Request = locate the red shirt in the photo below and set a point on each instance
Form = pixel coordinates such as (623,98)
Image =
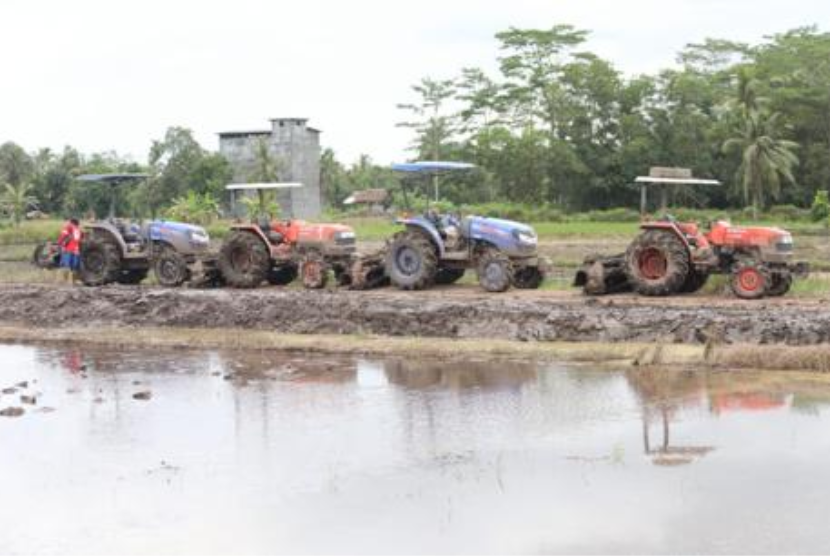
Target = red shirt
(70,238)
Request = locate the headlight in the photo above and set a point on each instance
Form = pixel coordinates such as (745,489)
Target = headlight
(344,235)
(199,236)
(528,238)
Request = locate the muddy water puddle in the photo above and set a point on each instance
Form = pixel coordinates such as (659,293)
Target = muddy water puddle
(137,452)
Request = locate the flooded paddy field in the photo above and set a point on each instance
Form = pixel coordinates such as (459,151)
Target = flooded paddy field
(155,451)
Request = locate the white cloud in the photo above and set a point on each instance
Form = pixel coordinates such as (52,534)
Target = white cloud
(100,74)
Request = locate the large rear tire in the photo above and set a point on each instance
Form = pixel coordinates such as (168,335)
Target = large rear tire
(100,261)
(170,268)
(412,261)
(657,263)
(244,260)
(495,271)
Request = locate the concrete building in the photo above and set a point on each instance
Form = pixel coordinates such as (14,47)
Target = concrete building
(296,147)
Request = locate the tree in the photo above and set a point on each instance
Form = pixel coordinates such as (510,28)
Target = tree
(17,200)
(16,166)
(766,160)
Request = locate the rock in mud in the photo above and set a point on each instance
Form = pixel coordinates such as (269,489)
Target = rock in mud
(23,384)
(144,395)
(8,391)
(12,412)
(29,400)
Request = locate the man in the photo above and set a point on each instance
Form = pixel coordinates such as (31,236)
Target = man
(70,244)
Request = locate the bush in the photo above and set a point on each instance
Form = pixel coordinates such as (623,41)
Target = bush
(789,213)
(820,210)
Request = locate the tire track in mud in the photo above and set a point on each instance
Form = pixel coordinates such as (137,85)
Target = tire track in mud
(526,317)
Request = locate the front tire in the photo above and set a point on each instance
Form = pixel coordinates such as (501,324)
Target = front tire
(314,272)
(495,271)
(749,280)
(170,268)
(657,263)
(411,262)
(244,260)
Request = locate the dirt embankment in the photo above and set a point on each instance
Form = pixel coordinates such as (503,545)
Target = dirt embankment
(449,313)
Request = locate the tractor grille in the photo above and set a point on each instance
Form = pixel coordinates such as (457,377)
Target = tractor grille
(344,241)
(784,247)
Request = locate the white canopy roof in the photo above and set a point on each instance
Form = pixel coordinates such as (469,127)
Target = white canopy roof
(286,185)
(679,181)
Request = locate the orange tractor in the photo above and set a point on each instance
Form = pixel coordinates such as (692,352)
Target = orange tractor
(670,258)
(279,251)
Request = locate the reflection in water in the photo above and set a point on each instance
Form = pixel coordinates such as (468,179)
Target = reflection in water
(264,452)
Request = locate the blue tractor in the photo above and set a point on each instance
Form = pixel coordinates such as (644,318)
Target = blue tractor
(439,249)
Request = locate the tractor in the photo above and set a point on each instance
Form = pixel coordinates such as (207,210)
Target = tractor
(439,249)
(435,249)
(278,251)
(670,257)
(117,251)
(124,252)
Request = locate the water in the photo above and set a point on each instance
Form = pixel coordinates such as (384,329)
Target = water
(265,453)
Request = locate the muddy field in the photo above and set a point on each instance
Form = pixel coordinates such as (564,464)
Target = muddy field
(457,312)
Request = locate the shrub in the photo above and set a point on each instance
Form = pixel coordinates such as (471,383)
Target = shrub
(820,210)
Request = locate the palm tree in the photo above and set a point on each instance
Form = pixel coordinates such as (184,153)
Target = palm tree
(16,200)
(766,159)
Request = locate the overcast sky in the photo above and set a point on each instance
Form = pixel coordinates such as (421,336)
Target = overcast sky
(114,74)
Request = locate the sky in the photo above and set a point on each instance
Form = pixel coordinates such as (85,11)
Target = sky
(115,74)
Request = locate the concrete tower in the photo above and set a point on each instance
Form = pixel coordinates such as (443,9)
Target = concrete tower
(296,147)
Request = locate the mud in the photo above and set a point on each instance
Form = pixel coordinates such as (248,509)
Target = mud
(456,312)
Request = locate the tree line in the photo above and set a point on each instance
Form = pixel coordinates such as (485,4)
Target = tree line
(559,124)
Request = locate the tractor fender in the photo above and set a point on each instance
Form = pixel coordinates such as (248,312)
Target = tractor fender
(104,228)
(425,226)
(670,227)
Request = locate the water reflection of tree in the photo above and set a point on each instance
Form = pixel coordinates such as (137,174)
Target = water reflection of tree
(459,375)
(662,393)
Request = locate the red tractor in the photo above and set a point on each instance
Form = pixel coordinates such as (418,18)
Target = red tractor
(279,251)
(670,257)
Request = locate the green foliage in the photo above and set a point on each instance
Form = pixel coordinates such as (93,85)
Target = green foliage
(17,200)
(820,209)
(195,208)
(263,205)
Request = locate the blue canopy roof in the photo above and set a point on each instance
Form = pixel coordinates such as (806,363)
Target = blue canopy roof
(431,167)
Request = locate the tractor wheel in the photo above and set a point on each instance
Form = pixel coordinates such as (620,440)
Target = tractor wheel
(411,262)
(45,257)
(528,278)
(657,263)
(314,271)
(495,271)
(170,268)
(244,260)
(282,275)
(100,262)
(448,275)
(780,284)
(749,280)
(694,281)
